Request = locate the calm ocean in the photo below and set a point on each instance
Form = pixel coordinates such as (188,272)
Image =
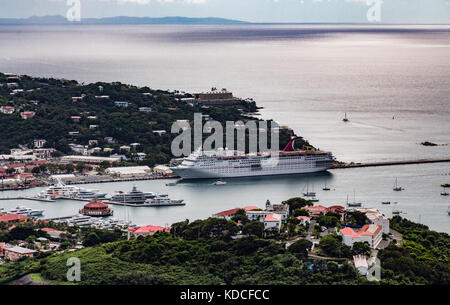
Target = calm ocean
(393,82)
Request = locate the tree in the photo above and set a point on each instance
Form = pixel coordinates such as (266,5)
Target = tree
(254,228)
(301,212)
(241,217)
(297,203)
(80,167)
(301,247)
(91,239)
(361,248)
(10,171)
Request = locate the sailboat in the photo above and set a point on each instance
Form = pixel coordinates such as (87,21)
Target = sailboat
(354,204)
(345,119)
(396,187)
(444,193)
(326,188)
(308,193)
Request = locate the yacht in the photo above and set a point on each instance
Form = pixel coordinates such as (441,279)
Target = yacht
(21,210)
(134,196)
(82,193)
(444,192)
(163,200)
(61,190)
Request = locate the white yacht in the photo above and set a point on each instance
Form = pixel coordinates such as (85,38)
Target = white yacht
(134,196)
(61,190)
(21,210)
(163,200)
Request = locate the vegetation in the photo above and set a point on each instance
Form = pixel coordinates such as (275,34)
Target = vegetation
(100,118)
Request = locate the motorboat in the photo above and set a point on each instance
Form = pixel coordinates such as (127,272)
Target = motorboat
(163,200)
(219,182)
(134,196)
(21,210)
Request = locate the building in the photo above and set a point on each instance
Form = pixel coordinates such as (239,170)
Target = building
(145,109)
(39,143)
(129,172)
(318,210)
(89,159)
(43,153)
(361,264)
(372,234)
(54,234)
(375,217)
(96,209)
(273,221)
(121,104)
(76,119)
(27,115)
(149,230)
(228,214)
(215,97)
(14,253)
(160,132)
(162,170)
(13,218)
(7,109)
(304,220)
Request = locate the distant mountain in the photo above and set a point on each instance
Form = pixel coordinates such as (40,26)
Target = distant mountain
(120,20)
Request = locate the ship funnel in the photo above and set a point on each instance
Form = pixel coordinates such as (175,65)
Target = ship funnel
(291,145)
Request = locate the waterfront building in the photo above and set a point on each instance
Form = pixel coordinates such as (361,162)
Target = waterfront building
(372,234)
(96,209)
(215,97)
(89,159)
(129,172)
(162,170)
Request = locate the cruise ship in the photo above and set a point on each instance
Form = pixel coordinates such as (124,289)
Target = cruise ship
(231,164)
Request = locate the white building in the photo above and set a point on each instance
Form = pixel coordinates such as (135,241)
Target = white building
(89,159)
(128,172)
(39,143)
(273,221)
(372,234)
(162,169)
(377,218)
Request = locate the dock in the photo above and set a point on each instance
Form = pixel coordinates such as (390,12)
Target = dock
(389,163)
(27,198)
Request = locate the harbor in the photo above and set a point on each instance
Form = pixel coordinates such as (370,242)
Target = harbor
(421,201)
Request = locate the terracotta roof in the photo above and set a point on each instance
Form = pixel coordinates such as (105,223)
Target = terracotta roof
(228,212)
(273,217)
(367,230)
(95,205)
(13,217)
(150,229)
(251,208)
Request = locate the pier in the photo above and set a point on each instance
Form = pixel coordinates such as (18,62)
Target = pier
(27,198)
(390,163)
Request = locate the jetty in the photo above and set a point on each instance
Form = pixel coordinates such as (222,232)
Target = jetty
(389,163)
(27,198)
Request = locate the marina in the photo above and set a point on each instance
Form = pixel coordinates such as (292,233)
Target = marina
(373,185)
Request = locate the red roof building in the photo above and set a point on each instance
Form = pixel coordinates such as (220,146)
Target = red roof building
(150,230)
(96,209)
(13,218)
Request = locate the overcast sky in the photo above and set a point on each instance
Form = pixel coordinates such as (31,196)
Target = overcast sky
(392,11)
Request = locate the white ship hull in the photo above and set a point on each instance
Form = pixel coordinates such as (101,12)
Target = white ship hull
(198,173)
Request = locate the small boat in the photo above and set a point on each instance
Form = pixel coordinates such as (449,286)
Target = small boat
(396,212)
(163,201)
(326,188)
(219,182)
(396,187)
(354,204)
(444,193)
(308,193)
(386,202)
(171,184)
(345,119)
(313,199)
